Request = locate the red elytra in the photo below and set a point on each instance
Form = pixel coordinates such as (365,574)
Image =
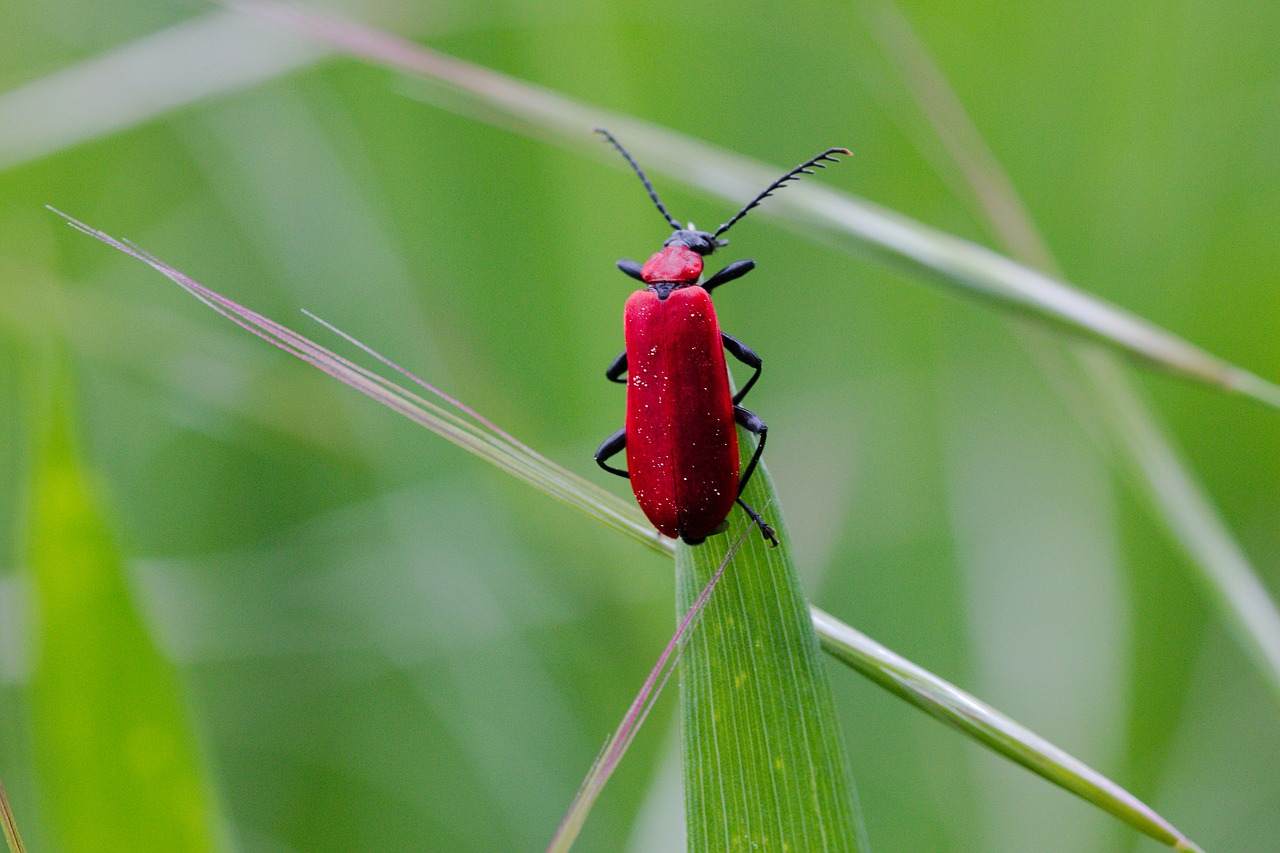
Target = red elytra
(682,448)
(680,436)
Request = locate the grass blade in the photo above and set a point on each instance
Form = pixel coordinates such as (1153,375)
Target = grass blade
(616,746)
(11,837)
(118,762)
(764,762)
(976,270)
(453,421)
(121,89)
(1149,455)
(951,705)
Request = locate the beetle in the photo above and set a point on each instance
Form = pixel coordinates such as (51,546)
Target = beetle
(680,436)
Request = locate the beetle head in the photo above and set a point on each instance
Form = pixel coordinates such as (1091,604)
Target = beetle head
(702,242)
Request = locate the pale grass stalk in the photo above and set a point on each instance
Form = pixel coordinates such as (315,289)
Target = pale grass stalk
(10,824)
(1150,455)
(616,746)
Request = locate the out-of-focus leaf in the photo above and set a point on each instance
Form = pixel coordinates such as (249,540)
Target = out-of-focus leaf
(117,759)
(1148,453)
(976,270)
(201,58)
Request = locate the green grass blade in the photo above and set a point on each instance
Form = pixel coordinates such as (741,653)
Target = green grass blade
(118,763)
(617,744)
(1148,454)
(1174,495)
(123,88)
(447,418)
(951,705)
(975,270)
(11,837)
(764,764)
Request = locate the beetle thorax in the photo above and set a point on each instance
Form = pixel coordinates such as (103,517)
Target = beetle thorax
(675,266)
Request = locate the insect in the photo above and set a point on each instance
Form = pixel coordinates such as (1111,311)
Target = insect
(680,438)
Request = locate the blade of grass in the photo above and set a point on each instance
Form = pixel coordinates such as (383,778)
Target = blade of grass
(951,705)
(490,96)
(10,823)
(119,765)
(978,271)
(764,761)
(123,88)
(131,85)
(883,665)
(1149,454)
(458,425)
(616,746)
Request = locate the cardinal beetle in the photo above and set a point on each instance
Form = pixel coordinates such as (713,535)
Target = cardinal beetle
(682,448)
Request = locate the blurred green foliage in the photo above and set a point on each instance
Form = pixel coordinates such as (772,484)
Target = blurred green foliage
(383,644)
(108,720)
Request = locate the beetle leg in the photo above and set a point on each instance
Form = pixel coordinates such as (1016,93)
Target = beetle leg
(765,530)
(612,446)
(751,422)
(619,366)
(631,268)
(737,269)
(747,356)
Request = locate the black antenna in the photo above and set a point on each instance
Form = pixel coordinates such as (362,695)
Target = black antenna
(803,169)
(653,194)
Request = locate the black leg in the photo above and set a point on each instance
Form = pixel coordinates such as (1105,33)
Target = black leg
(737,269)
(631,268)
(613,445)
(765,530)
(747,356)
(619,366)
(752,424)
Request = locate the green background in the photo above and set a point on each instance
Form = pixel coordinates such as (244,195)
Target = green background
(365,639)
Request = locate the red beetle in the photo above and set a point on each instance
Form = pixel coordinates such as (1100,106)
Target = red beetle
(682,448)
